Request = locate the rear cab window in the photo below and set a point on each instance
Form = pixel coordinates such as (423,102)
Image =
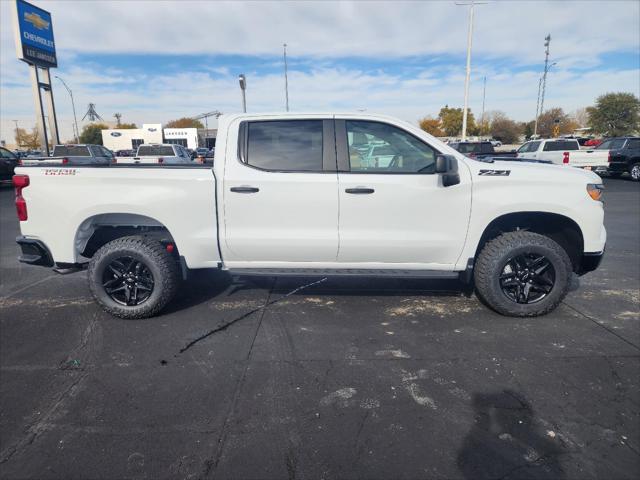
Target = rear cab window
(561,145)
(71,151)
(155,151)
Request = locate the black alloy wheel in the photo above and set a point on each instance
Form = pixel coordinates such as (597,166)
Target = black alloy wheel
(527,278)
(128,281)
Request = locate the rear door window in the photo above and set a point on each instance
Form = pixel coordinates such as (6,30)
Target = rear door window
(285,145)
(633,144)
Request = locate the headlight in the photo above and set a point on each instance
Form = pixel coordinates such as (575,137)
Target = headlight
(595,190)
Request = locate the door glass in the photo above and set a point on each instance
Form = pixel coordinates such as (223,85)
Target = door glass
(290,145)
(380,148)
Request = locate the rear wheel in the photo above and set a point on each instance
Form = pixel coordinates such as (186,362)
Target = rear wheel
(522,274)
(634,171)
(133,277)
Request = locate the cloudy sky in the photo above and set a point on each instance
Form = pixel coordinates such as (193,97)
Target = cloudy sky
(154,61)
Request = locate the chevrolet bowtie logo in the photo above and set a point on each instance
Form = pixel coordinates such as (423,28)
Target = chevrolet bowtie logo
(37,21)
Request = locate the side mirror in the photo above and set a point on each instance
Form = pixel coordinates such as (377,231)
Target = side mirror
(447,165)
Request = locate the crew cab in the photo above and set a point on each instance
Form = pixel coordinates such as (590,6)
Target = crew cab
(564,152)
(624,156)
(166,153)
(290,194)
(77,154)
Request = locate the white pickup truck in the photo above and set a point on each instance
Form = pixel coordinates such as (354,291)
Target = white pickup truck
(289,194)
(166,154)
(565,151)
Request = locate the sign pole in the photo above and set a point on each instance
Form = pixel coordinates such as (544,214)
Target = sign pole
(51,107)
(37,98)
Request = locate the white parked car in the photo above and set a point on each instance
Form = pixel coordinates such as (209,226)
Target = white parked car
(165,154)
(285,196)
(564,151)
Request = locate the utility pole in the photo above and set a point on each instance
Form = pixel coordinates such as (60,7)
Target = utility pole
(73,105)
(468,73)
(243,87)
(286,79)
(547,41)
(484,94)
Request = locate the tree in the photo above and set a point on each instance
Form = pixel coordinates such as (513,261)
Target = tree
(92,133)
(451,120)
(527,128)
(184,122)
(547,121)
(615,114)
(432,126)
(26,139)
(503,128)
(127,126)
(581,117)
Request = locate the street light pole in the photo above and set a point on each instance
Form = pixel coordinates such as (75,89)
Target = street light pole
(17,144)
(468,72)
(286,79)
(243,86)
(73,105)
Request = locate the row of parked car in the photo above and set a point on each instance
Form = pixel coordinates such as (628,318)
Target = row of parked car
(614,155)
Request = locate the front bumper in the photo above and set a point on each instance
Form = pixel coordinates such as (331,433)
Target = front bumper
(590,261)
(34,252)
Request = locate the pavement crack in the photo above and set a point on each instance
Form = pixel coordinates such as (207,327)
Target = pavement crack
(248,314)
(601,325)
(39,427)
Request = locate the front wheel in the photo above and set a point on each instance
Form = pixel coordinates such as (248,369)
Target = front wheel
(133,277)
(634,171)
(522,274)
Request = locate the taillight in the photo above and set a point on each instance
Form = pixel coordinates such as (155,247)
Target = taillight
(565,157)
(609,157)
(65,161)
(160,160)
(20,182)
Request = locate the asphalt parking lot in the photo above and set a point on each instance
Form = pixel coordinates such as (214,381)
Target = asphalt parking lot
(345,378)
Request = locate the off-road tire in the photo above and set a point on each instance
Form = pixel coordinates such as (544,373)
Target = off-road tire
(499,251)
(155,257)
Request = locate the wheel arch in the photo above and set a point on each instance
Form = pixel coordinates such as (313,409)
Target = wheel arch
(97,230)
(560,228)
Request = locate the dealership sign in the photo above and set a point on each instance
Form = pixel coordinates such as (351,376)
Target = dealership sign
(34,35)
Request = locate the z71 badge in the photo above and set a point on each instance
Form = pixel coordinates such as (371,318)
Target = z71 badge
(495,173)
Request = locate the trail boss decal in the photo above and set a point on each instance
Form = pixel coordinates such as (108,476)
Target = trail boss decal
(59,171)
(495,173)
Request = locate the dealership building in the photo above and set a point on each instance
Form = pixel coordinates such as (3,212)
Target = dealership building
(129,138)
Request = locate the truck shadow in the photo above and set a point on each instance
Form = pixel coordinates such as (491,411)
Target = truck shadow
(504,441)
(205,285)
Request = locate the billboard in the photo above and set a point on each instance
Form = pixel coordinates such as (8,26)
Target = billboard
(34,35)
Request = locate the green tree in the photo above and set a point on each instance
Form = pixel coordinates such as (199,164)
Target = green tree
(184,122)
(615,114)
(92,133)
(451,120)
(432,126)
(527,128)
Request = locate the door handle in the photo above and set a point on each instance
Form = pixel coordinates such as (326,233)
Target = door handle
(360,190)
(245,189)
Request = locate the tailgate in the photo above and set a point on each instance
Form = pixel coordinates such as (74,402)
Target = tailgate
(589,158)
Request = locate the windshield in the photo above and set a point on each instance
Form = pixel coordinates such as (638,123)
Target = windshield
(469,147)
(71,151)
(155,150)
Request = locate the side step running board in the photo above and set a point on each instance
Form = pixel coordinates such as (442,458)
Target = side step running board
(350,272)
